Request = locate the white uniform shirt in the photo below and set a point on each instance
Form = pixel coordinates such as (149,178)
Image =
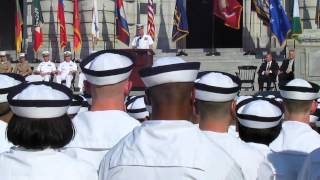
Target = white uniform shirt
(296,136)
(311,167)
(170,150)
(290,148)
(143,42)
(66,67)
(4,144)
(20,164)
(240,152)
(46,67)
(262,148)
(97,132)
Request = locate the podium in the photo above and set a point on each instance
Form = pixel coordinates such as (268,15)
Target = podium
(141,58)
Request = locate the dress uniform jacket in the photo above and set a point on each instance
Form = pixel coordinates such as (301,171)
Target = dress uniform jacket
(4,144)
(240,152)
(48,164)
(23,69)
(46,67)
(66,67)
(262,148)
(168,150)
(5,67)
(97,132)
(143,42)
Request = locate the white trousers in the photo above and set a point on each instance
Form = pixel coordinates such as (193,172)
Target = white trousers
(80,81)
(46,78)
(67,78)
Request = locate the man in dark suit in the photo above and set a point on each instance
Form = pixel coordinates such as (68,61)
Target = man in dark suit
(268,72)
(286,71)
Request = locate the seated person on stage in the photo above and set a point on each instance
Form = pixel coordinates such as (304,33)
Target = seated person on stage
(141,41)
(5,65)
(267,72)
(23,68)
(46,68)
(286,71)
(66,69)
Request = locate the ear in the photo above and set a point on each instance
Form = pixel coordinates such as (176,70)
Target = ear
(233,109)
(127,88)
(314,107)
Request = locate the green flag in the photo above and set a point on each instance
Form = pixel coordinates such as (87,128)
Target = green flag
(296,22)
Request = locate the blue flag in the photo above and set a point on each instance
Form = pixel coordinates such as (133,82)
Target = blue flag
(180,22)
(279,22)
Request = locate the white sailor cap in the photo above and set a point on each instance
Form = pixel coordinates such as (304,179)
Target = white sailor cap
(34,78)
(75,105)
(40,100)
(259,113)
(67,53)
(136,107)
(140,26)
(3,53)
(271,96)
(88,98)
(169,70)
(8,81)
(299,89)
(84,105)
(107,67)
(22,55)
(217,87)
(242,98)
(45,53)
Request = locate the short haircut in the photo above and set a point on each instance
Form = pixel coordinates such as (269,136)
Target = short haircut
(217,109)
(296,106)
(170,93)
(261,136)
(40,134)
(4,108)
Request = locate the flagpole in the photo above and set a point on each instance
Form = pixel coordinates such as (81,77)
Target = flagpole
(212,51)
(115,28)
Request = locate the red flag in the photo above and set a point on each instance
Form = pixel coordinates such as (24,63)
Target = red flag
(229,11)
(76,27)
(37,22)
(62,24)
(151,28)
(18,28)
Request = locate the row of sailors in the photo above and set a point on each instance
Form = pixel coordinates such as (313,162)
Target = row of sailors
(45,71)
(106,143)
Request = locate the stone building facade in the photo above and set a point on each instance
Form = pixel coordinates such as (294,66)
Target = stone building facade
(254,33)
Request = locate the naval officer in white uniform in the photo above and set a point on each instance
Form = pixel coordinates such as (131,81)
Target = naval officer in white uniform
(296,139)
(215,102)
(142,40)
(46,68)
(38,128)
(66,69)
(169,146)
(7,82)
(99,129)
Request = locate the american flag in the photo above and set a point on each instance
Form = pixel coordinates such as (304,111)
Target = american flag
(151,28)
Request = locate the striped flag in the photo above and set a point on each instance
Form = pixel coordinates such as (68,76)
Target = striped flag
(95,22)
(151,28)
(18,28)
(62,24)
(262,9)
(296,22)
(76,27)
(180,22)
(318,14)
(122,30)
(38,21)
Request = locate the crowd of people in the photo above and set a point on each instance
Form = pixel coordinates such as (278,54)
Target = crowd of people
(188,125)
